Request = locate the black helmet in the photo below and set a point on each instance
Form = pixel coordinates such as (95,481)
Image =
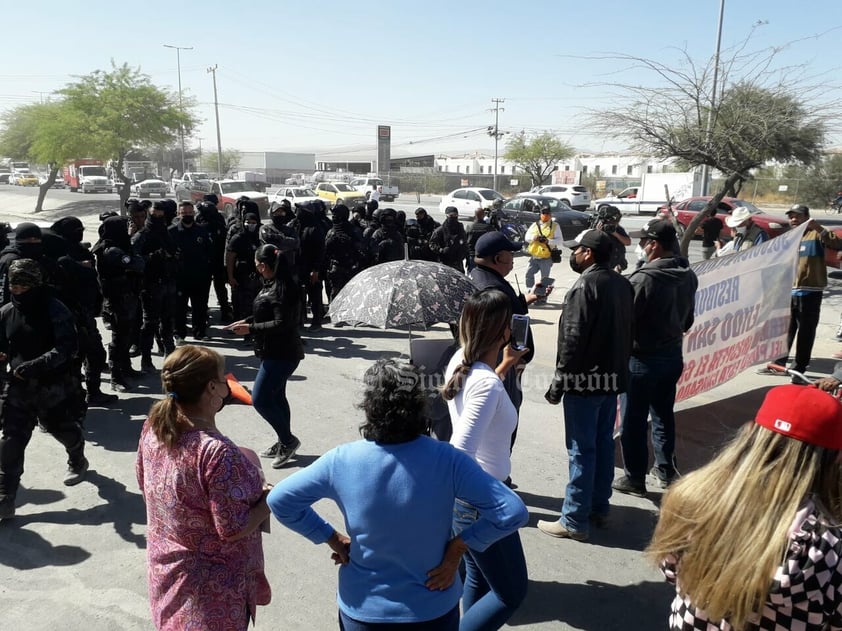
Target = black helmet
(132,201)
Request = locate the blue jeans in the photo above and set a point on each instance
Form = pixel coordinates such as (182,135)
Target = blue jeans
(270,395)
(652,385)
(588,430)
(495,579)
(537,265)
(447,622)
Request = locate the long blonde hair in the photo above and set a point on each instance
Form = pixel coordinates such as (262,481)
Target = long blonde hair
(484,319)
(727,524)
(186,373)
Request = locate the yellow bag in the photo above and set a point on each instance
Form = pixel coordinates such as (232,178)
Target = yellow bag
(536,248)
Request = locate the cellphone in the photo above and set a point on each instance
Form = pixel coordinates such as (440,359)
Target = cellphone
(520,331)
(541,288)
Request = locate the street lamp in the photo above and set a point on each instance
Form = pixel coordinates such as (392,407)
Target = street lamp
(178,50)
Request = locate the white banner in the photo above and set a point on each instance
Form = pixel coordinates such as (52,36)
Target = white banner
(742,313)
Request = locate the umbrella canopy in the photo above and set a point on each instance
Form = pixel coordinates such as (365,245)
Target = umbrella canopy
(402,294)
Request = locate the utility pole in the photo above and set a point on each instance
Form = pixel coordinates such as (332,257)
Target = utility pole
(495,131)
(178,50)
(709,126)
(199,167)
(212,70)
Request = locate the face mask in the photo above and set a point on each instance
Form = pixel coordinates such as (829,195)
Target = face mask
(76,236)
(31,250)
(452,221)
(575,265)
(742,229)
(251,227)
(278,221)
(27,301)
(188,220)
(228,398)
(641,253)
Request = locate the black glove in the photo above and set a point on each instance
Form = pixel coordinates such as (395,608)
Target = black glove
(551,397)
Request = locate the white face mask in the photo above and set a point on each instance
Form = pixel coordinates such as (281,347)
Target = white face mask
(641,253)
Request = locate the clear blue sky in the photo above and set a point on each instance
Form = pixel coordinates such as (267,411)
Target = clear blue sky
(319,76)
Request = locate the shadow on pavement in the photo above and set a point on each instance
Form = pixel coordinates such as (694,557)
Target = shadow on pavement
(89,206)
(118,428)
(23,549)
(345,348)
(596,606)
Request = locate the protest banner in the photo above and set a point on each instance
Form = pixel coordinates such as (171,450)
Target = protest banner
(742,313)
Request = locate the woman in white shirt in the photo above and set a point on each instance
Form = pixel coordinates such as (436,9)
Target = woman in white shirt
(483,419)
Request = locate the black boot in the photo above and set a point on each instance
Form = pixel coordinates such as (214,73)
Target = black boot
(7,507)
(146,366)
(128,371)
(98,398)
(77,465)
(119,381)
(226,315)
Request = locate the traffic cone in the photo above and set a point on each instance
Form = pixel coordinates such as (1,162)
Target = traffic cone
(238,392)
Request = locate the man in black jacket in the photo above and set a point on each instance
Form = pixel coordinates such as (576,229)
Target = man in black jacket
(37,343)
(208,215)
(449,241)
(195,267)
(312,238)
(592,368)
(664,304)
(343,250)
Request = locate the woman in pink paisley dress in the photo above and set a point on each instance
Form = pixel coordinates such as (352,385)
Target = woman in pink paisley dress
(205,502)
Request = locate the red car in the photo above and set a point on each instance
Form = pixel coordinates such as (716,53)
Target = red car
(774,225)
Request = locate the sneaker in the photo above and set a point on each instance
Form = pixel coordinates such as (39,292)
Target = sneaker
(76,473)
(271,451)
(556,529)
(772,369)
(629,486)
(285,453)
(101,399)
(7,507)
(134,351)
(663,481)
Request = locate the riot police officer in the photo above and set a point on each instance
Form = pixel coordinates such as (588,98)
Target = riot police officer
(121,275)
(343,253)
(387,242)
(195,266)
(208,215)
(239,262)
(449,242)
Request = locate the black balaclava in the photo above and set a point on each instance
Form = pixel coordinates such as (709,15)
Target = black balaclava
(28,230)
(114,232)
(70,228)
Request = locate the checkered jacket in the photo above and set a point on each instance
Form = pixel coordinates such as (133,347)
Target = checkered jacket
(806,594)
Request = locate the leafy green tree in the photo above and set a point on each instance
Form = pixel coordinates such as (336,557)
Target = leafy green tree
(44,134)
(538,156)
(230,161)
(121,110)
(761,113)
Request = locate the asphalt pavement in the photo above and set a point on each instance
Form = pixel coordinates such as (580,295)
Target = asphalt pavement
(74,558)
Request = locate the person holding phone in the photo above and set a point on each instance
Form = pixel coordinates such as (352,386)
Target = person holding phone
(483,419)
(592,368)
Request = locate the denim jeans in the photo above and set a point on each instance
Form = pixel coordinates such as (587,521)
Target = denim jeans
(270,395)
(652,385)
(537,265)
(447,622)
(495,579)
(588,434)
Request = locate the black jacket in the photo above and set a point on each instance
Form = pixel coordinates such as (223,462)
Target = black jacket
(450,243)
(343,249)
(195,252)
(274,321)
(594,336)
(484,277)
(664,303)
(155,244)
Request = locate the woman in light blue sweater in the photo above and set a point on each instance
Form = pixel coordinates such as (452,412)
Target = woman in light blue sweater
(396,490)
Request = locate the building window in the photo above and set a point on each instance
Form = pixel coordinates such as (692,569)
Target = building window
(482,169)
(441,168)
(566,167)
(584,168)
(596,170)
(613,169)
(649,168)
(502,168)
(514,169)
(467,169)
(457,168)
(629,170)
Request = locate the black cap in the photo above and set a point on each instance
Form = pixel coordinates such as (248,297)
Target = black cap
(491,243)
(27,230)
(451,210)
(592,239)
(660,230)
(800,209)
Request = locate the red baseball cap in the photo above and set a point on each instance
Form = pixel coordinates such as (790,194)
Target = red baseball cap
(804,413)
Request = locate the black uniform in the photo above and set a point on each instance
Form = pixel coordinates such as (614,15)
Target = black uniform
(311,261)
(474,232)
(418,244)
(284,237)
(121,274)
(195,266)
(343,254)
(158,295)
(243,246)
(208,215)
(387,243)
(450,243)
(38,336)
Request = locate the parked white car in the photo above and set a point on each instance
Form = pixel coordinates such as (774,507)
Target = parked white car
(467,200)
(576,196)
(148,188)
(295,195)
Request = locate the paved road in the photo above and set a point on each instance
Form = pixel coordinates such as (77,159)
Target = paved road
(74,558)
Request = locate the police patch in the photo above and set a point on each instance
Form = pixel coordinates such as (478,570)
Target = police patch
(126,259)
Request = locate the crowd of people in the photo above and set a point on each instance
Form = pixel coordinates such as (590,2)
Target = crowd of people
(424,514)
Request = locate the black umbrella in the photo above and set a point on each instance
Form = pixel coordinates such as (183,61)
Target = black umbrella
(402,294)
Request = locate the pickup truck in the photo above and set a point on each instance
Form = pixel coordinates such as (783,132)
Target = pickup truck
(182,185)
(228,191)
(366,185)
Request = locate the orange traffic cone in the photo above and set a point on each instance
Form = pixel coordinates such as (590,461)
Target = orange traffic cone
(238,392)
